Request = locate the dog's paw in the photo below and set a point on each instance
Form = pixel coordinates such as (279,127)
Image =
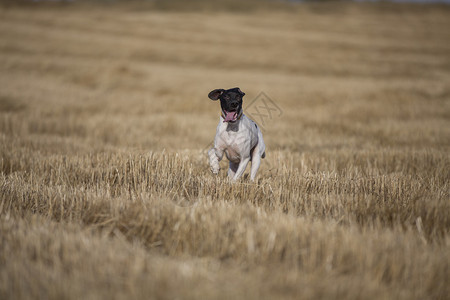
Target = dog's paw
(215,170)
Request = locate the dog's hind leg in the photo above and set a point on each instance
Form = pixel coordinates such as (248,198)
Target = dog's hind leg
(256,161)
(242,165)
(232,169)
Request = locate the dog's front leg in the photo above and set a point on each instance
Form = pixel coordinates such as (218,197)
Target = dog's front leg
(215,155)
(242,165)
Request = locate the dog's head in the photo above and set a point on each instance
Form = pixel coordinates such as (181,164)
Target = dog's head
(230,101)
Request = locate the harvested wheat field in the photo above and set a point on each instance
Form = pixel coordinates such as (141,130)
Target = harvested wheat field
(105,188)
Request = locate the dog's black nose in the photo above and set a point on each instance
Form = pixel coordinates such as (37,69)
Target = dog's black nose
(234,104)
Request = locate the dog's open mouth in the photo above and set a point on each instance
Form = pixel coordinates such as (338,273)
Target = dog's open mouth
(230,116)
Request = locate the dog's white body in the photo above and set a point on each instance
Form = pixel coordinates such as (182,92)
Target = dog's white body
(241,141)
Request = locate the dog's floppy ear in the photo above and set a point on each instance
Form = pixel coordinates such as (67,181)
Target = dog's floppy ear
(215,94)
(241,92)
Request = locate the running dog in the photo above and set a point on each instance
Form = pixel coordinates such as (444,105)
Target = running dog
(237,136)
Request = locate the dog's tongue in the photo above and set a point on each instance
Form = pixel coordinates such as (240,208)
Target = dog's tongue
(229,116)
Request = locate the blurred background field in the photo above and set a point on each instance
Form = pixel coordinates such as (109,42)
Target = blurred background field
(105,190)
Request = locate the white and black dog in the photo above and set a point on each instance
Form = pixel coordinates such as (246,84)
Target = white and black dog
(237,136)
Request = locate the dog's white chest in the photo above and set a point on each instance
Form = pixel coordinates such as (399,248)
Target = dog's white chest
(232,144)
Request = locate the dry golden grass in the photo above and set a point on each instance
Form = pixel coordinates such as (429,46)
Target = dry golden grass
(105,190)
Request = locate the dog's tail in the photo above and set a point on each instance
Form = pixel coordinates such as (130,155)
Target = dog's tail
(263,155)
